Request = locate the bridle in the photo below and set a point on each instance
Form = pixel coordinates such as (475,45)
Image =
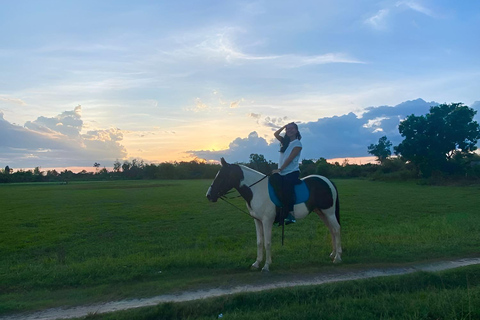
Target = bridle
(230,191)
(263,178)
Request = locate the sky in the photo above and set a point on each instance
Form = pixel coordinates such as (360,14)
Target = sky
(160,81)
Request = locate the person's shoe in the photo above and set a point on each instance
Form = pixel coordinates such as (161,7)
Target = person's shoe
(290,218)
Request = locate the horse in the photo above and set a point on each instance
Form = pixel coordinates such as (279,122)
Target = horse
(253,187)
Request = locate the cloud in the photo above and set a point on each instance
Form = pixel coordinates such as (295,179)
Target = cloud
(292,60)
(235,104)
(104,143)
(58,141)
(476,107)
(378,20)
(275,122)
(255,115)
(219,45)
(375,124)
(238,150)
(199,106)
(297,61)
(330,137)
(416,6)
(69,123)
(15,101)
(272,122)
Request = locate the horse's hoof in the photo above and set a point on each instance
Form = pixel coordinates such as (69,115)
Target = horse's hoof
(265,269)
(255,266)
(337,260)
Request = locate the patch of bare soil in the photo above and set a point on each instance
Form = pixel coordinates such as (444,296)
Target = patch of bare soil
(269,283)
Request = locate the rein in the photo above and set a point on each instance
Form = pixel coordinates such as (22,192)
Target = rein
(241,210)
(266,176)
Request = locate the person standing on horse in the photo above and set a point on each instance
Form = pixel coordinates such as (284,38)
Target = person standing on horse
(288,166)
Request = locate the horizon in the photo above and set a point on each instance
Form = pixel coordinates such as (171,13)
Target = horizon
(358,161)
(86,82)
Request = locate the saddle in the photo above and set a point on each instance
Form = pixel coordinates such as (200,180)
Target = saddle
(274,190)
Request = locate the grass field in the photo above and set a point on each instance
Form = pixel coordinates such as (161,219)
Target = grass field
(98,241)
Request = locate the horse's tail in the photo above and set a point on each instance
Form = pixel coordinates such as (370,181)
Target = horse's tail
(337,206)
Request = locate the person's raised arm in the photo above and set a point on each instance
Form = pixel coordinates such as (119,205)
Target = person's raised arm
(277,133)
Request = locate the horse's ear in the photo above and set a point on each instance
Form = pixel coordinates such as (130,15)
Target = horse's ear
(223,162)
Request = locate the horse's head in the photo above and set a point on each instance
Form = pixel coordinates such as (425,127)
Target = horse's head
(227,178)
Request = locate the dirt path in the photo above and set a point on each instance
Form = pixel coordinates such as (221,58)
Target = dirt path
(270,283)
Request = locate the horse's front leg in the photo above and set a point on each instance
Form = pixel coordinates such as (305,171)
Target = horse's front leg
(259,229)
(267,234)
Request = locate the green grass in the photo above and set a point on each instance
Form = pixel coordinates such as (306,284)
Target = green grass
(98,241)
(453,294)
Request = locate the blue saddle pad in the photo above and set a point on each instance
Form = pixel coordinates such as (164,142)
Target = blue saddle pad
(301,193)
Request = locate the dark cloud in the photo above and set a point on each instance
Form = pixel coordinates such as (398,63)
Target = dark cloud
(239,149)
(403,109)
(57,142)
(335,137)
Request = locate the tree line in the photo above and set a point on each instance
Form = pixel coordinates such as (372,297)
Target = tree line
(438,144)
(127,170)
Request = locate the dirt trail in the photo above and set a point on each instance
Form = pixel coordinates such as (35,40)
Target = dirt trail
(314,279)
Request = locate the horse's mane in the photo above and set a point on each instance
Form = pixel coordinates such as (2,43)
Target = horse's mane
(251,170)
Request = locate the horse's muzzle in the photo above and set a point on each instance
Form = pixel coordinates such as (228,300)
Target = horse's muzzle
(210,197)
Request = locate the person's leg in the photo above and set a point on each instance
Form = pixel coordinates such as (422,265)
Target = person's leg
(289,194)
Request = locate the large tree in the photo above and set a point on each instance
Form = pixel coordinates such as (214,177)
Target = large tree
(431,140)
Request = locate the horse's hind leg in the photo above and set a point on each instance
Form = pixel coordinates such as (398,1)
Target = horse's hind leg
(332,235)
(328,217)
(260,239)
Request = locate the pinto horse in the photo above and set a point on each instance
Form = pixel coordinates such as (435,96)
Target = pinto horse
(253,187)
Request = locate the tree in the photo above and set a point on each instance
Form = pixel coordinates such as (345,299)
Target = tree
(382,150)
(258,162)
(52,173)
(432,140)
(7,170)
(103,173)
(307,167)
(126,166)
(96,165)
(324,168)
(117,166)
(38,174)
(136,169)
